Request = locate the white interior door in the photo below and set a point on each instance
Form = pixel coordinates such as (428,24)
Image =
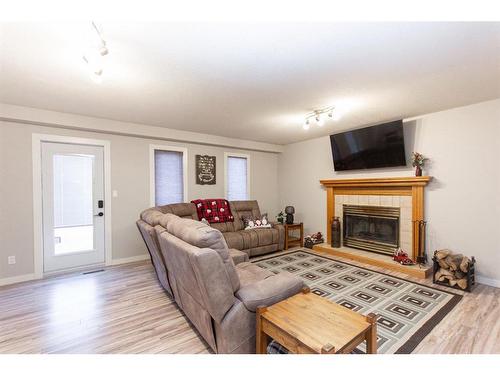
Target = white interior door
(73,205)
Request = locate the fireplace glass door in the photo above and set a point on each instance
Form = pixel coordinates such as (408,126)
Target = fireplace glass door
(371,228)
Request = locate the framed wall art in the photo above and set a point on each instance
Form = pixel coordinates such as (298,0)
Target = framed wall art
(205,170)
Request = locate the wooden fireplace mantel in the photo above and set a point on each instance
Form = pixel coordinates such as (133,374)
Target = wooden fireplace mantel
(402,186)
(377,182)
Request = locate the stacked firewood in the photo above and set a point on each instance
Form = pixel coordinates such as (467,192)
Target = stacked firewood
(452,268)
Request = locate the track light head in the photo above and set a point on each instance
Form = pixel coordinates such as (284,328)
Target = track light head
(320,116)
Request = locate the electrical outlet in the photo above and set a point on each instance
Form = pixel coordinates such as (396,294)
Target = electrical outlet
(11,259)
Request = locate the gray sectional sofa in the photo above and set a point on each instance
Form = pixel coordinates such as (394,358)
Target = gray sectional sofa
(215,286)
(253,241)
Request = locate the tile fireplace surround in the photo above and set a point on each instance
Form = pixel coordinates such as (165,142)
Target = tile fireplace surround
(407,193)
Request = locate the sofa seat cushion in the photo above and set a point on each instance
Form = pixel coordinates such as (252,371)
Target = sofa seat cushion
(249,273)
(234,240)
(238,256)
(250,238)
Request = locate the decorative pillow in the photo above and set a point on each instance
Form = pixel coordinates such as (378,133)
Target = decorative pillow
(256,223)
(213,210)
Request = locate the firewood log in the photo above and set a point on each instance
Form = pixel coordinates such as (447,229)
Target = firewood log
(441,278)
(459,274)
(452,282)
(454,261)
(462,283)
(440,254)
(443,264)
(446,272)
(464,265)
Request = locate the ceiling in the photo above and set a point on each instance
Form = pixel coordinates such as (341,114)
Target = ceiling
(252,81)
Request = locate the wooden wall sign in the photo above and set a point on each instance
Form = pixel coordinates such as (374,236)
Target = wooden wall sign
(205,170)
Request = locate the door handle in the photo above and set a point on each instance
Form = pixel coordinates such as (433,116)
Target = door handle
(100,214)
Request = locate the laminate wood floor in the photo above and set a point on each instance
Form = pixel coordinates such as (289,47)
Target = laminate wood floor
(124,310)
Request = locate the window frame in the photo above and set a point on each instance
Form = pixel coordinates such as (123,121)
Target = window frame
(237,155)
(152,180)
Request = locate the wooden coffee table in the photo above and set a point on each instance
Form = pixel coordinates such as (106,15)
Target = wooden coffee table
(307,323)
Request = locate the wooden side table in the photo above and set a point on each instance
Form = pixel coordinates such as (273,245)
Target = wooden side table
(291,235)
(310,324)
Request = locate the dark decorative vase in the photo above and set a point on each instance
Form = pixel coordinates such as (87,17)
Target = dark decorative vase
(418,171)
(335,232)
(289,210)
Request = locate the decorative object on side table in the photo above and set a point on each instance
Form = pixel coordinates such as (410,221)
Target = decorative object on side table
(291,237)
(280,217)
(453,270)
(418,161)
(205,170)
(313,239)
(336,229)
(289,210)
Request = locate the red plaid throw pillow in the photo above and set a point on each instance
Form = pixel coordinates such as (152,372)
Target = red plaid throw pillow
(213,210)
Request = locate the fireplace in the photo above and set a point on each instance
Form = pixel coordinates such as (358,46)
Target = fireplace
(372,228)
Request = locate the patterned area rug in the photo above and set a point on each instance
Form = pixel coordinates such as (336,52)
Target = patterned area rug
(406,311)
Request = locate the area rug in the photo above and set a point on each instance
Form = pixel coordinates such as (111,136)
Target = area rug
(406,311)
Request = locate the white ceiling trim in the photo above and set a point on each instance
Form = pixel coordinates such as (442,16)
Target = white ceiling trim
(35,116)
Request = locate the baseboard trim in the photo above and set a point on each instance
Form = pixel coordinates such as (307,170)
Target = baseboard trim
(32,276)
(17,279)
(488,281)
(137,258)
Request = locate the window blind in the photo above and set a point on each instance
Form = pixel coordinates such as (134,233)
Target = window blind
(237,178)
(169,177)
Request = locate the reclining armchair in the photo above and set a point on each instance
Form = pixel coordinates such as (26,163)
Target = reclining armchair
(219,297)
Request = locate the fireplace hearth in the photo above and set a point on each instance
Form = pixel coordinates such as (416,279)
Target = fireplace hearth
(372,228)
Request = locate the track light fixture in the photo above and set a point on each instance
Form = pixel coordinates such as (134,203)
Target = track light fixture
(319,116)
(93,57)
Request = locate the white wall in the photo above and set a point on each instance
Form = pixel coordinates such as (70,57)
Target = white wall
(462,203)
(129,176)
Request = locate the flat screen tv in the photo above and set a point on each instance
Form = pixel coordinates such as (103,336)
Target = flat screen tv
(376,146)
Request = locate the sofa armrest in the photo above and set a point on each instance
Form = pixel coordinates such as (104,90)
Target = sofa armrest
(281,234)
(238,256)
(269,291)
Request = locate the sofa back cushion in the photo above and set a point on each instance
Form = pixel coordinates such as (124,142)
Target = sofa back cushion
(199,272)
(151,216)
(184,210)
(242,209)
(201,235)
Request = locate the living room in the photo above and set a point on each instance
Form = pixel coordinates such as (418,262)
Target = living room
(250,187)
